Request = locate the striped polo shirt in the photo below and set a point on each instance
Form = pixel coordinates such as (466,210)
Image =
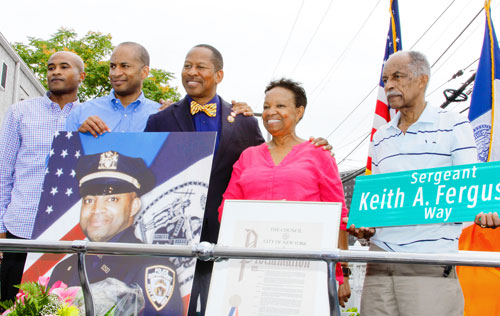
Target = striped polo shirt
(438,139)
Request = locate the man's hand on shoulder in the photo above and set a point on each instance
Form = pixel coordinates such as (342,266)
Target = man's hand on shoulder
(165,104)
(323,143)
(241,108)
(94,125)
(487,220)
(359,232)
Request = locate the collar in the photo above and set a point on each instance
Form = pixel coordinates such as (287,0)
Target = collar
(127,235)
(50,103)
(215,99)
(427,116)
(116,103)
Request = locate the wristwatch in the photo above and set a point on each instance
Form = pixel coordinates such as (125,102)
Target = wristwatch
(346,271)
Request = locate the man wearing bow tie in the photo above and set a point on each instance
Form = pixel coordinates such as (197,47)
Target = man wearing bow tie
(125,109)
(203,110)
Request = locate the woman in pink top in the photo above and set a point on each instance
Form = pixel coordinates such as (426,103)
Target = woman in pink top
(289,167)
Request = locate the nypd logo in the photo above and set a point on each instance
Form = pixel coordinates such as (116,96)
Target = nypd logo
(482,136)
(160,284)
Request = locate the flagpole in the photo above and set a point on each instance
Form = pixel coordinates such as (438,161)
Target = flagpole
(382,109)
(492,56)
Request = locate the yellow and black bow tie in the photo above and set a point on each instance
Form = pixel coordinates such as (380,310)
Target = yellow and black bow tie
(210,109)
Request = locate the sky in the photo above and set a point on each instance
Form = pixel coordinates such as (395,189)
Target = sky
(334,47)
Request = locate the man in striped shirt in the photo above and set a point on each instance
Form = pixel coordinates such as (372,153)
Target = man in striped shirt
(25,141)
(419,136)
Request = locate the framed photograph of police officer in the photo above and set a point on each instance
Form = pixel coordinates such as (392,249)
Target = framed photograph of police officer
(125,187)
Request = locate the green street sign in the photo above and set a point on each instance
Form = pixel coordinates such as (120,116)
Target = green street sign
(426,196)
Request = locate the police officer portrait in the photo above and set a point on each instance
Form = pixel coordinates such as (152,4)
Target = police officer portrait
(111,185)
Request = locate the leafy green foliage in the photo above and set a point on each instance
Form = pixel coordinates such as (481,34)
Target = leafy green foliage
(354,311)
(157,86)
(32,303)
(95,49)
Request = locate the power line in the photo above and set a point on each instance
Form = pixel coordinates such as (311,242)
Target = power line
(467,26)
(349,142)
(289,36)
(359,144)
(464,109)
(465,41)
(329,72)
(368,134)
(352,111)
(460,34)
(467,108)
(456,50)
(446,31)
(361,170)
(432,24)
(472,63)
(352,175)
(359,104)
(312,37)
(456,75)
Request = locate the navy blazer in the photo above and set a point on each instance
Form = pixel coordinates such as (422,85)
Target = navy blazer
(235,137)
(132,270)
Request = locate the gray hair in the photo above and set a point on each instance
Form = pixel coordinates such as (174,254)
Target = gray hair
(419,65)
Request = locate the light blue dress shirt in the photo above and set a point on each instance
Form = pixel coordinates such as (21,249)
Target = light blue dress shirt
(132,118)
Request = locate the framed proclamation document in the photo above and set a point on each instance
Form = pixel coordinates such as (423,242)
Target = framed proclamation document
(265,287)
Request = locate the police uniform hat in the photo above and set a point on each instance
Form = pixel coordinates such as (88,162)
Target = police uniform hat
(113,173)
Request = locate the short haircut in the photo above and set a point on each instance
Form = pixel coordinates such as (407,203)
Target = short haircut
(293,86)
(216,56)
(419,64)
(80,66)
(143,53)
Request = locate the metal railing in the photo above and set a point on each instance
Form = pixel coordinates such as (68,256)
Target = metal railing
(207,251)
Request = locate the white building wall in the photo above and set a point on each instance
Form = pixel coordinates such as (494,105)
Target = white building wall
(21,83)
(27,89)
(6,94)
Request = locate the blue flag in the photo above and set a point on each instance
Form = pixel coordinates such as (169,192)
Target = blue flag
(483,112)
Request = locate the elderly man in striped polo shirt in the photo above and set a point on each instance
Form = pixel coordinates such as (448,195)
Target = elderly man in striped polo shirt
(419,136)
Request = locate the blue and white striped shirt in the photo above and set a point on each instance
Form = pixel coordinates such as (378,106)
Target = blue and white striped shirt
(439,138)
(25,140)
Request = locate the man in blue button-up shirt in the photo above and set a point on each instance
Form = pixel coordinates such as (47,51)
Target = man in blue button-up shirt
(125,109)
(25,141)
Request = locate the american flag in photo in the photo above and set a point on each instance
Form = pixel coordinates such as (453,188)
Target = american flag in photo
(179,160)
(59,208)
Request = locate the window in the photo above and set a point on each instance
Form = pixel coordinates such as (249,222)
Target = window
(3,81)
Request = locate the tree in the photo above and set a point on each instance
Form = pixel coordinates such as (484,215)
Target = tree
(95,49)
